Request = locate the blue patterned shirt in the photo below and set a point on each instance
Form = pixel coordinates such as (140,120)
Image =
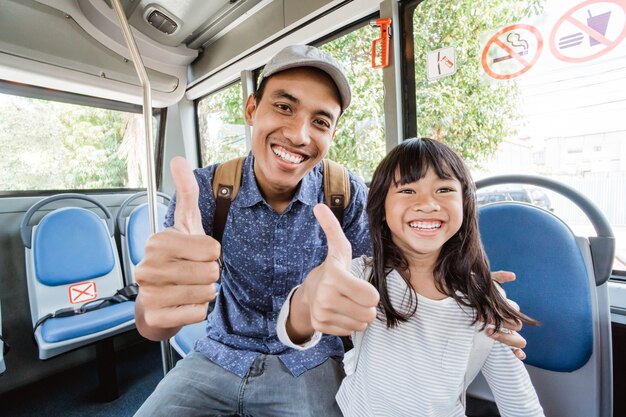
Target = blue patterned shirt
(266,254)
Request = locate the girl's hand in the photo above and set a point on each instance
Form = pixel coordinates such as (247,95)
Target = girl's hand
(510,338)
(508,335)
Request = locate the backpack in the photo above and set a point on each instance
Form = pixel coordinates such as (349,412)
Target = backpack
(227,181)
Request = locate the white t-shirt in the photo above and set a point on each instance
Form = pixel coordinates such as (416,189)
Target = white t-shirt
(418,368)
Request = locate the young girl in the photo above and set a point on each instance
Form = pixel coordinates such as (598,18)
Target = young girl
(436,292)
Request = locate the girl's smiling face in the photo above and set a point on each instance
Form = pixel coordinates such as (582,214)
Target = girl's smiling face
(423,215)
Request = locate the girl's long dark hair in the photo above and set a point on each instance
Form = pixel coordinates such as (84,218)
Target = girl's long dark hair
(462,265)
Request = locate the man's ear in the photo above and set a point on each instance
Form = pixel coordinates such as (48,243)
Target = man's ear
(249,110)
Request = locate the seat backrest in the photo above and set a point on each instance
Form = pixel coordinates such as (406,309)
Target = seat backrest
(135,229)
(72,260)
(569,354)
(70,255)
(184,341)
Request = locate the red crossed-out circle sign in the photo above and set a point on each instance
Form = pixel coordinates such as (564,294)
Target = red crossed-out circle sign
(491,68)
(598,37)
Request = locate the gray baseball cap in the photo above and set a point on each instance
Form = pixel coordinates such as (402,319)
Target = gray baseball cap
(296,56)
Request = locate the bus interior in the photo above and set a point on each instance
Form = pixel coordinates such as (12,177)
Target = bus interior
(97,96)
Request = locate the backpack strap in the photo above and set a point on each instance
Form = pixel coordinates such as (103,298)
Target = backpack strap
(226,183)
(336,188)
(337,197)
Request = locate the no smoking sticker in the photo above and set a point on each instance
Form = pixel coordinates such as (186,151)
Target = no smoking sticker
(512,51)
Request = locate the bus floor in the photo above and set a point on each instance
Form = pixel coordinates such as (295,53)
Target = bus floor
(74,392)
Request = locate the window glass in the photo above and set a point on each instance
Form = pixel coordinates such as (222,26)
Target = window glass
(221,125)
(530,87)
(360,140)
(49,145)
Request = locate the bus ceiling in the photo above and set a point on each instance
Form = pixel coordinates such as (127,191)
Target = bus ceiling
(77,46)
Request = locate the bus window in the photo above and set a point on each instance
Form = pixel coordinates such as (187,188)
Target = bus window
(530,93)
(51,145)
(360,141)
(221,125)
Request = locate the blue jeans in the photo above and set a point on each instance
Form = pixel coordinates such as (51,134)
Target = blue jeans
(198,387)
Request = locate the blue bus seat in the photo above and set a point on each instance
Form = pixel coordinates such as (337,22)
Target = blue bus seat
(569,354)
(134,230)
(184,340)
(71,260)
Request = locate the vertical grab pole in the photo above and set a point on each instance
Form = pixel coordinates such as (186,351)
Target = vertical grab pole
(166,350)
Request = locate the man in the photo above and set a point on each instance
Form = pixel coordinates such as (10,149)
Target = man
(271,242)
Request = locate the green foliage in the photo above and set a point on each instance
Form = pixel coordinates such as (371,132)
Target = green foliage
(360,140)
(90,140)
(464,110)
(28,144)
(55,146)
(50,145)
(221,125)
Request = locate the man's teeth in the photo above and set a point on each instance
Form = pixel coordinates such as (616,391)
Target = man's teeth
(425,225)
(288,157)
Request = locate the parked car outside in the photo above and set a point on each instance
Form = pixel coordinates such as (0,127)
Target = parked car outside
(531,195)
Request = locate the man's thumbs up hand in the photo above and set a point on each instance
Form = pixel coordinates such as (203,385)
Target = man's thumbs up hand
(178,273)
(187,218)
(332,300)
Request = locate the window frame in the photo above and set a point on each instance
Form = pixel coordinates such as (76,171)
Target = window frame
(40,93)
(406,11)
(196,103)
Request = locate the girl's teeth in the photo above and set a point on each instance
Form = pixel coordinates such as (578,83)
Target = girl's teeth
(426,225)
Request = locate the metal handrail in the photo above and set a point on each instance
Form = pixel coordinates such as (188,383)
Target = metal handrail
(166,350)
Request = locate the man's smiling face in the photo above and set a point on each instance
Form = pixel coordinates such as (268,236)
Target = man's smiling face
(293,126)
